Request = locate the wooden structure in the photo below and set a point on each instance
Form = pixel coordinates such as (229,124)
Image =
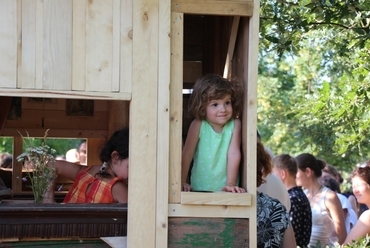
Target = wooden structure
(134,58)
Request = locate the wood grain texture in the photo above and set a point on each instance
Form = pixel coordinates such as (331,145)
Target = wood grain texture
(216,198)
(212,7)
(8,44)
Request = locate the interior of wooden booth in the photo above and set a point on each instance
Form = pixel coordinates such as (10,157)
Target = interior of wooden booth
(206,40)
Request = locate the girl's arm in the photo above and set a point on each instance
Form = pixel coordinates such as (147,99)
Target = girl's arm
(334,206)
(63,168)
(361,228)
(120,192)
(66,169)
(233,160)
(188,152)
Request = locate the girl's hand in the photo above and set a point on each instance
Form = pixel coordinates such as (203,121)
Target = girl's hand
(185,187)
(233,189)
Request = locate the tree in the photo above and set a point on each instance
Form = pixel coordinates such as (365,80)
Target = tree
(314,77)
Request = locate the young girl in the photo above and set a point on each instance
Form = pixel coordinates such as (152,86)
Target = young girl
(105,183)
(214,136)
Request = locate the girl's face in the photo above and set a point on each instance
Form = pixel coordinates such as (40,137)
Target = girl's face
(302,178)
(121,168)
(361,190)
(219,112)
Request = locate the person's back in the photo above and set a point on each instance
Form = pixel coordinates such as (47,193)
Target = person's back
(274,188)
(88,189)
(285,168)
(322,225)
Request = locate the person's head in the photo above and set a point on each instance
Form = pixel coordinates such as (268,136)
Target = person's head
(72,156)
(309,169)
(361,183)
(115,152)
(331,183)
(210,89)
(330,171)
(284,166)
(82,153)
(263,163)
(6,160)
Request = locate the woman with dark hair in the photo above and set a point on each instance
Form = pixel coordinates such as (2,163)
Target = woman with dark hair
(105,183)
(273,226)
(361,189)
(328,224)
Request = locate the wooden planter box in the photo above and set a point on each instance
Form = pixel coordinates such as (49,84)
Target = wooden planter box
(61,221)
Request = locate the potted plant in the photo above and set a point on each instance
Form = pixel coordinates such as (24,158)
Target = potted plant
(36,160)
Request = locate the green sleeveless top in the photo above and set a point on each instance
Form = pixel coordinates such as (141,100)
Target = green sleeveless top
(209,172)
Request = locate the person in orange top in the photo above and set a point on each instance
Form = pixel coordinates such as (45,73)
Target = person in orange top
(106,183)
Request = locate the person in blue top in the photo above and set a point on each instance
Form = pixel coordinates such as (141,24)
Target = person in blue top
(214,136)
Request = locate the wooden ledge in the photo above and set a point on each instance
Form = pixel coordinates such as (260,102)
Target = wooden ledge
(214,7)
(216,198)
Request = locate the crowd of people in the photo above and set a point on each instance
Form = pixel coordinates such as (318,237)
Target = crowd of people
(320,214)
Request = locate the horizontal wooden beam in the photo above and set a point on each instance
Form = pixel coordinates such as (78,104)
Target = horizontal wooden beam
(55,133)
(180,210)
(216,198)
(125,96)
(213,7)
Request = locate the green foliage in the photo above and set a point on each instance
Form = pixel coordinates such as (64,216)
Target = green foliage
(61,146)
(6,145)
(314,79)
(41,175)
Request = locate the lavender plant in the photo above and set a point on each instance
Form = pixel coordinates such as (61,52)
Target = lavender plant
(40,174)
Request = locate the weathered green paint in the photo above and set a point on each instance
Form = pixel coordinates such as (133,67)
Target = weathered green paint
(227,236)
(208,232)
(215,234)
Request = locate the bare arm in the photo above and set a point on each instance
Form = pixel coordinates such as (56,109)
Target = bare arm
(233,160)
(188,152)
(352,200)
(334,206)
(63,168)
(120,192)
(289,238)
(361,228)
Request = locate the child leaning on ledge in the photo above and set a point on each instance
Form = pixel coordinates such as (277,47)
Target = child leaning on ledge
(214,136)
(105,183)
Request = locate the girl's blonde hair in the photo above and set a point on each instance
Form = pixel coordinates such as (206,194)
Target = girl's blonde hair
(214,87)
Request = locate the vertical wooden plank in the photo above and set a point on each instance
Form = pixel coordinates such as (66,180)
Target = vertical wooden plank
(116,45)
(99,45)
(118,115)
(39,44)
(8,44)
(28,61)
(247,57)
(143,126)
(79,45)
(252,114)
(126,46)
(57,64)
(94,146)
(163,119)
(17,166)
(19,43)
(177,40)
(231,47)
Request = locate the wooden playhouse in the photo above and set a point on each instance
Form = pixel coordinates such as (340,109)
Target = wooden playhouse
(132,59)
